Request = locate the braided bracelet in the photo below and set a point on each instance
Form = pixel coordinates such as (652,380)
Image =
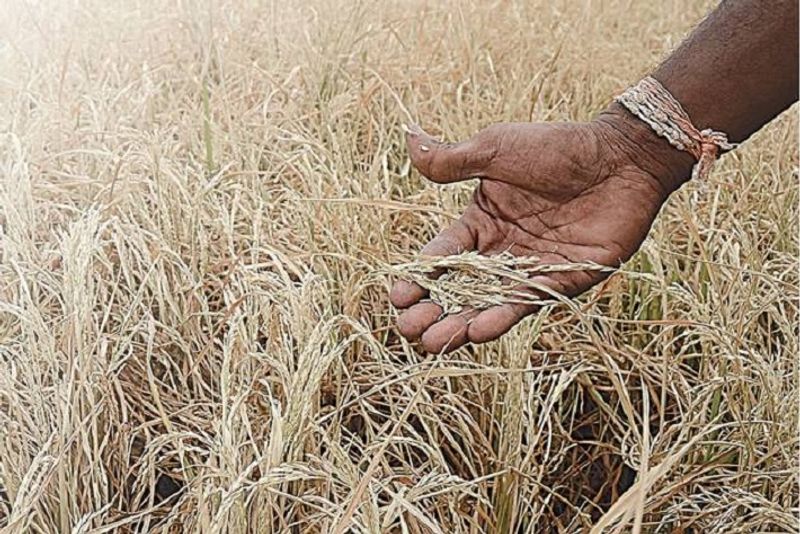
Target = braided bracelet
(651,102)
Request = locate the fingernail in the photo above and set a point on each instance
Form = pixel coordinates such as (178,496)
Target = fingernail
(424,148)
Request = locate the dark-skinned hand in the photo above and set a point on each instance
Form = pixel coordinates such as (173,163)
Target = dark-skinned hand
(562,192)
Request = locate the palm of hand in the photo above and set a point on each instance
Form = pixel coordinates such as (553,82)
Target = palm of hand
(556,192)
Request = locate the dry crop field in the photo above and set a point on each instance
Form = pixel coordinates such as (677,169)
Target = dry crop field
(200,206)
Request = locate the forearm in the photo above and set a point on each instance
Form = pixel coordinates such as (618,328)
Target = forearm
(735,73)
(738,69)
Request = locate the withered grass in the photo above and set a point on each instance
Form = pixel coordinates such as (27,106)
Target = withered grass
(200,208)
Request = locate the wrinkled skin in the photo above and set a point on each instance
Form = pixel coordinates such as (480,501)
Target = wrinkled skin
(563,192)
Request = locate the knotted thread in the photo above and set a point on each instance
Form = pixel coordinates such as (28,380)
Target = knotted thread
(652,103)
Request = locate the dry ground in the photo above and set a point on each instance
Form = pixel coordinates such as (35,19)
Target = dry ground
(198,204)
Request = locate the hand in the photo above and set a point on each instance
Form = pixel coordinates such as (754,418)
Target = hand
(563,192)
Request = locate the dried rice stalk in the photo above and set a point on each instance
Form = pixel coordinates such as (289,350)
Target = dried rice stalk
(480,282)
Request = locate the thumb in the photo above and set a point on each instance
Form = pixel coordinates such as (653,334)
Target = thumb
(445,163)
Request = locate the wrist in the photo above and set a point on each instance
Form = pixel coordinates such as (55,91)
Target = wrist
(638,145)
